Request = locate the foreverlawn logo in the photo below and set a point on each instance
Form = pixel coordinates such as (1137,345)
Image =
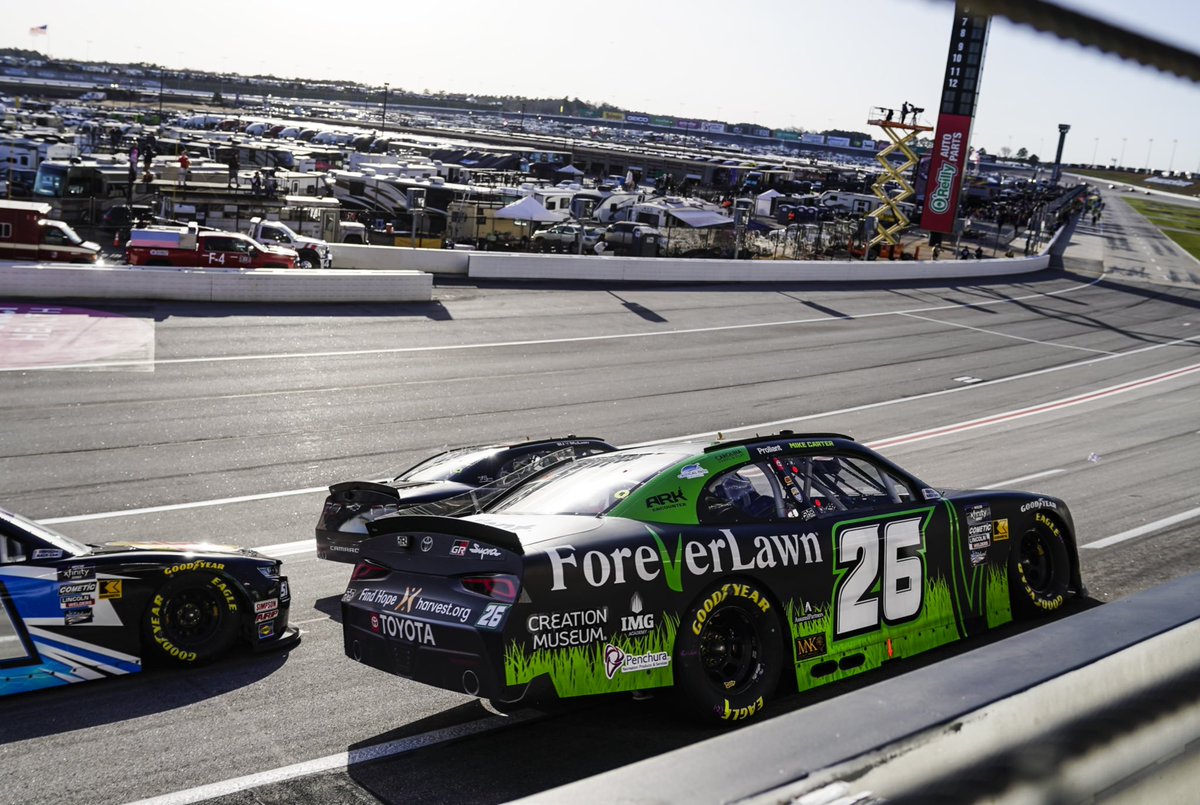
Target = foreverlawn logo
(719,555)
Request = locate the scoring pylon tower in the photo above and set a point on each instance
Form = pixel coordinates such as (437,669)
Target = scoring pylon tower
(890,217)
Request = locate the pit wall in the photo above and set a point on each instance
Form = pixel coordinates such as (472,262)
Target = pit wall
(390,274)
(43,281)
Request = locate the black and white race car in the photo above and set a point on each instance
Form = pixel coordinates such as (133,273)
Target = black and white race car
(716,569)
(71,612)
(453,483)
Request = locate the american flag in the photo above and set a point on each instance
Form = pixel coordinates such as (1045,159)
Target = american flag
(40,30)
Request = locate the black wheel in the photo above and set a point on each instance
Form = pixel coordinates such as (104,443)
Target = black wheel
(1039,569)
(308,260)
(192,618)
(729,653)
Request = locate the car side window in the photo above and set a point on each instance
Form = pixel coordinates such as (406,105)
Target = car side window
(11,551)
(825,485)
(745,494)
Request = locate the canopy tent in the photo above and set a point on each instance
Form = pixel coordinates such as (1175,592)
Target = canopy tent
(762,202)
(700,218)
(570,170)
(529,208)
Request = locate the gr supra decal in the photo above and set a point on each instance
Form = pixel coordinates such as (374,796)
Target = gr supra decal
(71,612)
(713,569)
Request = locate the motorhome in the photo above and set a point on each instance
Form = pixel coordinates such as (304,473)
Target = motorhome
(81,190)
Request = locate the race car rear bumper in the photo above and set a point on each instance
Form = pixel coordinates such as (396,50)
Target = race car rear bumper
(337,546)
(457,659)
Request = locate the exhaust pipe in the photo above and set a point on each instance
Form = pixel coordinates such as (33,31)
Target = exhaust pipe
(356,651)
(470,683)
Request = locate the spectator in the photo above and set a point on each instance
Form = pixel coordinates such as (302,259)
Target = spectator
(256,183)
(233,169)
(185,165)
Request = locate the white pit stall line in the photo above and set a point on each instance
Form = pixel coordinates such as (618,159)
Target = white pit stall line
(1142,530)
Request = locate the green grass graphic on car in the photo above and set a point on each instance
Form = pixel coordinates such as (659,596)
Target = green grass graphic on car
(580,670)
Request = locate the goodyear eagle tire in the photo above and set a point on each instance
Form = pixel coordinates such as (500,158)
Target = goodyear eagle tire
(729,653)
(192,618)
(1039,569)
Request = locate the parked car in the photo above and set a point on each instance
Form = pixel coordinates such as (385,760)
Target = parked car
(629,234)
(565,237)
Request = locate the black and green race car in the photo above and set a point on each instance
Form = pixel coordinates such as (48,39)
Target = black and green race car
(71,612)
(716,569)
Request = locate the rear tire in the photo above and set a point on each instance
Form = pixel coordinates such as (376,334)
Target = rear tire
(729,653)
(192,618)
(308,260)
(1039,569)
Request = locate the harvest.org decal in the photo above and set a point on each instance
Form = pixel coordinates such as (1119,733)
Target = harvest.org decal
(623,662)
(725,554)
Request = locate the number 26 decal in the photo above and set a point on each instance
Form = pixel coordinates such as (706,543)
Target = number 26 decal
(884,581)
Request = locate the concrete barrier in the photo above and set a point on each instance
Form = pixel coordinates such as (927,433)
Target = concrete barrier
(396,258)
(931,720)
(395,274)
(499,265)
(212,285)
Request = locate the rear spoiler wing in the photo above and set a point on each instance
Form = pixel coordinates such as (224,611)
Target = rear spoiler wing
(370,486)
(419,523)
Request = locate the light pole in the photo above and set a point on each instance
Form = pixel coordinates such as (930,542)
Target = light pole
(383,117)
(1148,150)
(160,94)
(1063,128)
(1095,147)
(1171,162)
(1121,159)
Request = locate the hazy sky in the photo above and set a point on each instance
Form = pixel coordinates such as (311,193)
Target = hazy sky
(779,63)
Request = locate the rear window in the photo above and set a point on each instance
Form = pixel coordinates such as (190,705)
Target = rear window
(446,465)
(589,486)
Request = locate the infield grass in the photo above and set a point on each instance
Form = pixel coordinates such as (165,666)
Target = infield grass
(1180,224)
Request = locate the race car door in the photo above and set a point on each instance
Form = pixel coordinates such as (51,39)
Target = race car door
(888,595)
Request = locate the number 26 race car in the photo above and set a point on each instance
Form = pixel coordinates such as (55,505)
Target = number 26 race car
(716,570)
(71,612)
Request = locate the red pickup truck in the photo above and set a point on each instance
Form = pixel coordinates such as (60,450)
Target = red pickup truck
(189,246)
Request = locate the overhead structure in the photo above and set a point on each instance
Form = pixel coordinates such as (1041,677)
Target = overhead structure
(890,217)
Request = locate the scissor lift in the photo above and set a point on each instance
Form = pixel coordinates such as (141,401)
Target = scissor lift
(901,134)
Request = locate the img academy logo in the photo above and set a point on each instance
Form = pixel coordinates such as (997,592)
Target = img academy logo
(637,623)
